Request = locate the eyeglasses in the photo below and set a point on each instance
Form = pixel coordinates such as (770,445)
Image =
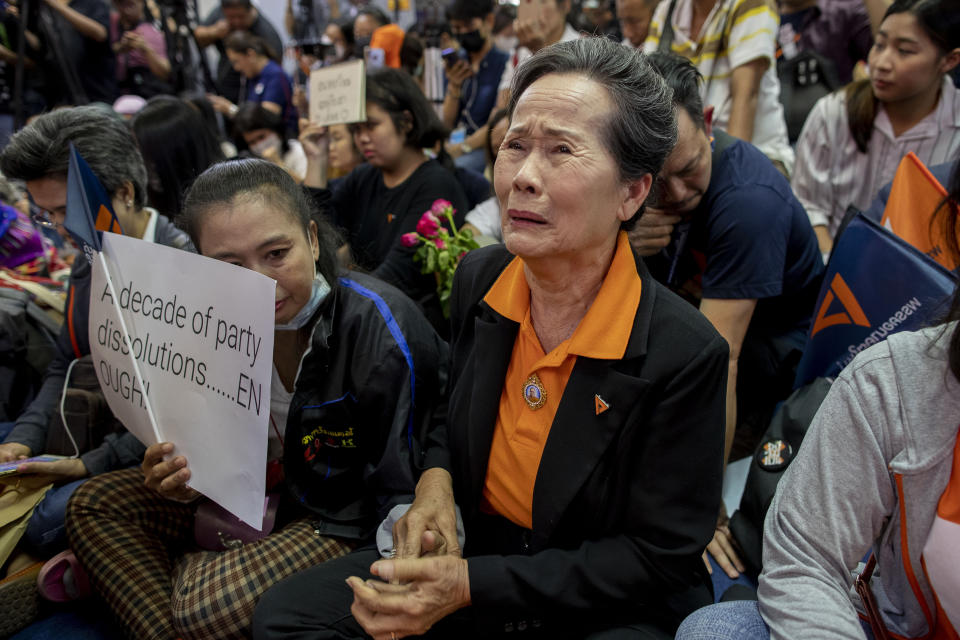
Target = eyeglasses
(42,217)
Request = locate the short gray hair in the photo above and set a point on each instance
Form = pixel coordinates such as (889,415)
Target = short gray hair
(42,149)
(642,129)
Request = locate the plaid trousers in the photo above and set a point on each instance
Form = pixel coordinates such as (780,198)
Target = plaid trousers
(137,549)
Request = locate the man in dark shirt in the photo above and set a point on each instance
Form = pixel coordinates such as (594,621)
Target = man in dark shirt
(84,29)
(472,82)
(726,231)
(230,16)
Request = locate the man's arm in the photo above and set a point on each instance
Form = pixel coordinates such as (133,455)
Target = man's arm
(10,57)
(159,65)
(456,76)
(87,27)
(208,34)
(744,95)
(731,319)
(478,139)
(157,62)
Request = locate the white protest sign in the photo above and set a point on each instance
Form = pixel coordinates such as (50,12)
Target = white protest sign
(338,94)
(201,332)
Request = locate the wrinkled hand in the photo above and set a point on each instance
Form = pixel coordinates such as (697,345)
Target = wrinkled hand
(314,139)
(167,477)
(13,451)
(412,597)
(723,548)
(457,74)
(221,104)
(429,527)
(66,469)
(652,232)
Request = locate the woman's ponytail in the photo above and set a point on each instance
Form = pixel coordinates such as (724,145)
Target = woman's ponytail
(861,112)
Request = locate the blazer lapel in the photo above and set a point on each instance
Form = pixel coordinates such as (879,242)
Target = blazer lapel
(583,430)
(494,337)
(581,433)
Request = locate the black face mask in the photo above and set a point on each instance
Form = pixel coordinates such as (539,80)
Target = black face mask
(359,45)
(472,41)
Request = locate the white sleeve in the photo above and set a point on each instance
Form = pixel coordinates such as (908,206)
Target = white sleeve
(830,507)
(486,218)
(811,179)
(656,27)
(753,32)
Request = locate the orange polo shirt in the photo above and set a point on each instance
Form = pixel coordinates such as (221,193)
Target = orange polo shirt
(521,432)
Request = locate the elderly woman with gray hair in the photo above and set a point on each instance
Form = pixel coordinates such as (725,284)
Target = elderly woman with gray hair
(584,439)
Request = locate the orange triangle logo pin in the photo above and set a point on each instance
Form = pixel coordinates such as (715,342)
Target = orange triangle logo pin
(599,404)
(390,218)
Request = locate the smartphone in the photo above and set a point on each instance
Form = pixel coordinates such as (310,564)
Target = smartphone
(450,56)
(528,10)
(10,468)
(374,57)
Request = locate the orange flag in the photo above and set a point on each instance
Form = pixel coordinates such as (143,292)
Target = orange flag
(914,198)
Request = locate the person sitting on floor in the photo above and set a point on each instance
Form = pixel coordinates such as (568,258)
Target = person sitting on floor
(351,354)
(584,438)
(39,154)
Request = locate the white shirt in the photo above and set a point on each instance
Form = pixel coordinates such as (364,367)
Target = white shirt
(831,174)
(486,218)
(150,231)
(522,53)
(735,32)
(280,400)
(295,160)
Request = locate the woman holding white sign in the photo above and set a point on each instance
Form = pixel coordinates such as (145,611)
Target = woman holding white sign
(357,371)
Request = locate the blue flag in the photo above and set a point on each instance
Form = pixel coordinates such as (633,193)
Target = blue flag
(88,206)
(876,285)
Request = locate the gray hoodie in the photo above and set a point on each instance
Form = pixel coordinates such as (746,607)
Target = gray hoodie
(869,475)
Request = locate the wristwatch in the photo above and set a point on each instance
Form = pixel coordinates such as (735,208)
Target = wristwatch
(465,148)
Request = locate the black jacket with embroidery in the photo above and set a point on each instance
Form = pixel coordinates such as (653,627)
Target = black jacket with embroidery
(626,499)
(362,402)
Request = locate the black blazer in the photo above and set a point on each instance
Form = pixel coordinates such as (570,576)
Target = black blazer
(625,501)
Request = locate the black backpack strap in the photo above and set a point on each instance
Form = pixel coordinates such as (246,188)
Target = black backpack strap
(666,34)
(721,142)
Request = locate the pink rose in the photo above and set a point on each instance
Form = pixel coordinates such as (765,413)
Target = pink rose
(440,243)
(440,206)
(429,225)
(409,240)
(462,253)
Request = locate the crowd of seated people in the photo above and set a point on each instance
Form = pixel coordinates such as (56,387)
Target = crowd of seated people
(541,450)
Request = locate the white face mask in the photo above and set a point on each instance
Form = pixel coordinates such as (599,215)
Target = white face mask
(505,43)
(271,143)
(317,295)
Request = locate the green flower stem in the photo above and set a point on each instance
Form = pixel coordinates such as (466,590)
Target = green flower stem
(449,215)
